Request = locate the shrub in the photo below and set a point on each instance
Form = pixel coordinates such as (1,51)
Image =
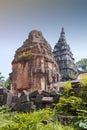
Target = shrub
(37,120)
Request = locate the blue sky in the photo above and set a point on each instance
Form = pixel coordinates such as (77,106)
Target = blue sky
(19,17)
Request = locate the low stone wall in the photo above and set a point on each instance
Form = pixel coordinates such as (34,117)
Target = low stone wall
(27,101)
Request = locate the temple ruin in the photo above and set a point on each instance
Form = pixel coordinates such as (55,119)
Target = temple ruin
(34,66)
(64,58)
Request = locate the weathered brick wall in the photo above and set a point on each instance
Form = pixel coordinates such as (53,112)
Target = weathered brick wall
(34,66)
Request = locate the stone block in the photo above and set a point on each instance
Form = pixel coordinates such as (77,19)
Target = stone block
(38,98)
(9,99)
(14,99)
(1,91)
(33,99)
(56,98)
(47,99)
(1,100)
(25,107)
(53,93)
(23,98)
(45,93)
(4,98)
(33,94)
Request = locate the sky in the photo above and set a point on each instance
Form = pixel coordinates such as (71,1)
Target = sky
(19,17)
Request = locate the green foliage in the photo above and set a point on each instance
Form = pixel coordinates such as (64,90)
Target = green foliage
(82,124)
(23,56)
(73,76)
(74,107)
(68,106)
(6,83)
(67,88)
(38,120)
(4,109)
(82,114)
(82,64)
(83,91)
(2,80)
(83,83)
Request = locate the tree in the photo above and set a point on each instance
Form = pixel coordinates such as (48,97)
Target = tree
(82,64)
(7,83)
(2,80)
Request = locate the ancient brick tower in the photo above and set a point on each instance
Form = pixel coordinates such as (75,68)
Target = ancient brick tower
(64,58)
(34,66)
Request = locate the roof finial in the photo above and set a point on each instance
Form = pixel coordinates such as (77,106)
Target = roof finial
(62,30)
(62,36)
